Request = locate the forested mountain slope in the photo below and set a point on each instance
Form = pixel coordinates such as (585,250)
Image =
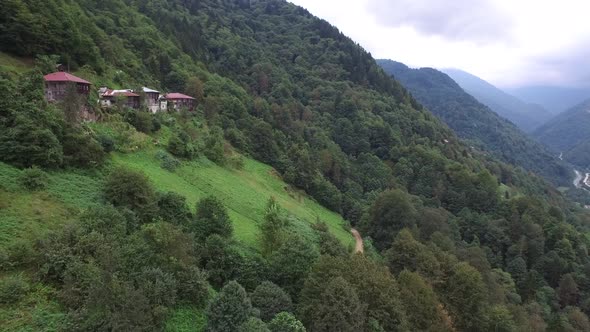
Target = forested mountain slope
(569,132)
(455,239)
(526,116)
(475,122)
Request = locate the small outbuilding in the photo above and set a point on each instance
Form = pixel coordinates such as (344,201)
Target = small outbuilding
(152,99)
(127,97)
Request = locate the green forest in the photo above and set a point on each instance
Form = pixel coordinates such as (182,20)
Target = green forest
(237,216)
(566,134)
(478,124)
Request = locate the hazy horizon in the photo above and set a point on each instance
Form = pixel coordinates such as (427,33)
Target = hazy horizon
(509,44)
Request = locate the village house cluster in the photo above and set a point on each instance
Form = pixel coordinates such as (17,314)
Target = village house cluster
(57,84)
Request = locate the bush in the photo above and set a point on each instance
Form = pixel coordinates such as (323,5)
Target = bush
(182,146)
(237,139)
(81,149)
(27,142)
(20,253)
(172,208)
(254,325)
(214,149)
(13,289)
(285,322)
(167,161)
(133,190)
(33,179)
(236,162)
(107,142)
(142,121)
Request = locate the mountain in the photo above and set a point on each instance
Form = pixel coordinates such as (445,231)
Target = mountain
(237,214)
(475,122)
(524,115)
(554,99)
(569,133)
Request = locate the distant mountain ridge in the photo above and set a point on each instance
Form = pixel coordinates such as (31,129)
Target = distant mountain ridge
(569,132)
(554,99)
(526,116)
(475,122)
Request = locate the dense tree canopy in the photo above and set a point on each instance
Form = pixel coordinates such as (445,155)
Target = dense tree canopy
(475,243)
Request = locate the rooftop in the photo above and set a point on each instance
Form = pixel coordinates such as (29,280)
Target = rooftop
(148,90)
(61,76)
(126,93)
(175,95)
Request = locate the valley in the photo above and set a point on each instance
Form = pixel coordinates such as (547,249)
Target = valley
(247,166)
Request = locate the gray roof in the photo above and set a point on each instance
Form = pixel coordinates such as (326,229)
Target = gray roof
(148,90)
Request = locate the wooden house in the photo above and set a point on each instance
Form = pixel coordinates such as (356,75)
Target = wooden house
(57,84)
(127,98)
(180,101)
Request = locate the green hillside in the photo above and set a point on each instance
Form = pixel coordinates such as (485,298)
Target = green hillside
(245,192)
(26,217)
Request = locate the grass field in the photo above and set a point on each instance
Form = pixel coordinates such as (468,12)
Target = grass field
(245,192)
(9,63)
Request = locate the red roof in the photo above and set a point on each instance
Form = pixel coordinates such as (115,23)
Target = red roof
(178,96)
(64,77)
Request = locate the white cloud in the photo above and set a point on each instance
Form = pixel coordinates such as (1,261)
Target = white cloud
(507,42)
(463,20)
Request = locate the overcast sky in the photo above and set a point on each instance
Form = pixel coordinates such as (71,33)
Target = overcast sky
(509,43)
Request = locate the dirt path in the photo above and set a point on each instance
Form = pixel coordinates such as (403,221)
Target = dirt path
(359,241)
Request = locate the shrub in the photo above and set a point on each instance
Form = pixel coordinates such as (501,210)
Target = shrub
(107,142)
(156,124)
(133,190)
(13,289)
(142,121)
(172,208)
(237,139)
(27,142)
(33,179)
(167,161)
(214,149)
(236,162)
(182,146)
(254,325)
(285,322)
(82,150)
